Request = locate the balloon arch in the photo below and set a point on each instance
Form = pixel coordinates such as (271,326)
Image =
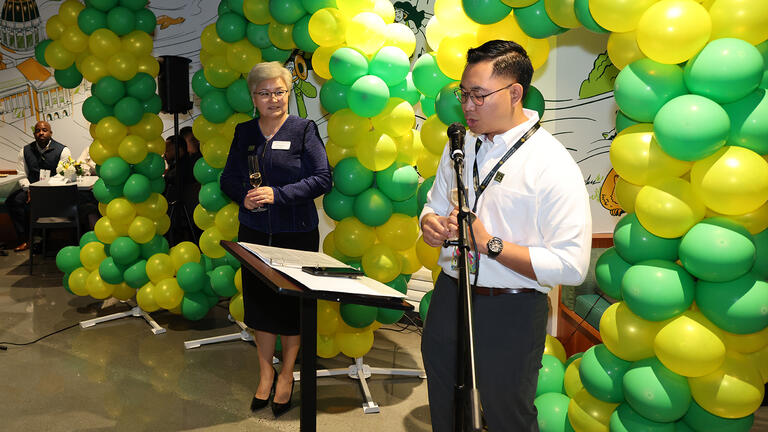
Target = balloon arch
(686,344)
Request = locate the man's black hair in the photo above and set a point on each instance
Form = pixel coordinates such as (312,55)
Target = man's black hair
(186,130)
(509,60)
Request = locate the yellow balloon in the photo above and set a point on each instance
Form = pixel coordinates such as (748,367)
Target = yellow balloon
(121,210)
(93,68)
(209,242)
(366,31)
(281,35)
(427,254)
(133,149)
(326,346)
(76,281)
(741,19)
(427,163)
(96,286)
(184,252)
(145,298)
(409,260)
(321,59)
(162,224)
(110,131)
(102,209)
(91,255)
(203,218)
(210,40)
(104,43)
(396,119)
(626,335)
(168,293)
(626,194)
(376,151)
(760,360)
(352,237)
(435,32)
(506,29)
(239,280)
(618,15)
(137,42)
(554,347)
(153,207)
(347,129)
(237,307)
(732,181)
(227,220)
(587,413)
(336,153)
(400,36)
(57,56)
(637,157)
(104,230)
(673,31)
(572,379)
(452,54)
(351,8)
(400,232)
(328,317)
(356,343)
(746,343)
(147,64)
(434,135)
(409,147)
(538,51)
(385,10)
(55,27)
(451,14)
(518,3)
(733,391)
(328,28)
(99,152)
(690,345)
(122,66)
(436,274)
(159,267)
(74,39)
(257,11)
(122,291)
(204,129)
(69,10)
(215,151)
(755,221)
(669,208)
(141,230)
(241,56)
(562,13)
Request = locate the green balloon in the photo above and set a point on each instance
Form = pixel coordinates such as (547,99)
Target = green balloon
(623,122)
(157,245)
(145,21)
(534,100)
(552,413)
(205,173)
(286,11)
(212,198)
(333,96)
(388,316)
(68,78)
(137,188)
(725,70)
(424,305)
(190,277)
(152,105)
(644,86)
(406,90)
(68,259)
(427,105)
(427,76)
(135,276)
(408,207)
(350,177)
(134,5)
(129,111)
(655,392)
(551,375)
(157,185)
(573,358)
(312,6)
(121,20)
(426,185)
(656,290)
(581,7)
(760,268)
(40,52)
(625,419)
(337,205)
(194,306)
(235,6)
(634,243)
(152,167)
(400,283)
(231,27)
(91,19)
(223,281)
(748,126)
(215,107)
(95,110)
(358,316)
(142,86)
(102,5)
(110,271)
(738,306)
(535,22)
(125,251)
(230,260)
(301,35)
(115,171)
(398,181)
(239,97)
(88,237)
(486,11)
(200,84)
(602,372)
(65,282)
(701,420)
(372,207)
(448,107)
(273,53)
(390,64)
(609,271)
(691,127)
(258,35)
(109,90)
(717,250)
(347,65)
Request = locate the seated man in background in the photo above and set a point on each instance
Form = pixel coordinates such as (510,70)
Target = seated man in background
(42,154)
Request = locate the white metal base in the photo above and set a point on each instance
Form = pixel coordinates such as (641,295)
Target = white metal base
(244,336)
(361,372)
(134,312)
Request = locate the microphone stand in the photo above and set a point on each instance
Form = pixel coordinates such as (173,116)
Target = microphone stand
(466,375)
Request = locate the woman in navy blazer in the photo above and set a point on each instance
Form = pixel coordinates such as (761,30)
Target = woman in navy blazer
(281,212)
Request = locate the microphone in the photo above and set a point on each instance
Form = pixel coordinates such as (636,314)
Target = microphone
(456,132)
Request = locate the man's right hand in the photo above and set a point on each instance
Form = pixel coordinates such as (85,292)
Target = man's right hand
(435,229)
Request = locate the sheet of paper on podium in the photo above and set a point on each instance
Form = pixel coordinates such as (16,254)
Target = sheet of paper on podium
(290,261)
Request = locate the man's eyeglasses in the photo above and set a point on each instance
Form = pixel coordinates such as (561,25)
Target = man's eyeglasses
(264,94)
(477,99)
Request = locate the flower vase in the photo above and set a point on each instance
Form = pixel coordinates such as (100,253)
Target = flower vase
(71,178)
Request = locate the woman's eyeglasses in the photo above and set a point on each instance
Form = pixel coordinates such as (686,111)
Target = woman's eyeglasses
(264,94)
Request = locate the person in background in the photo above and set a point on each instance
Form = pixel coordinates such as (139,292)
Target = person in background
(279,212)
(89,166)
(192,144)
(192,187)
(532,230)
(44,153)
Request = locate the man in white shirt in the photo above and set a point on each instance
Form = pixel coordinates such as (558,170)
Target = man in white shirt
(532,231)
(42,154)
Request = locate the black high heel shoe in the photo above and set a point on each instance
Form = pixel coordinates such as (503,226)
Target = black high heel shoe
(256,403)
(279,409)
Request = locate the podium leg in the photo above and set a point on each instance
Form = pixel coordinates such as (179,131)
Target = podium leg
(308,365)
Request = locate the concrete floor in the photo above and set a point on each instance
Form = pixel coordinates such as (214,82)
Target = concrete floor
(118,376)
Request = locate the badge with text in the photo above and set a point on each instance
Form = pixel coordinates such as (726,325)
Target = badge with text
(455,261)
(281,145)
(498,177)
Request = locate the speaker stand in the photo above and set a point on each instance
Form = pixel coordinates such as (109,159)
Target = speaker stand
(178,208)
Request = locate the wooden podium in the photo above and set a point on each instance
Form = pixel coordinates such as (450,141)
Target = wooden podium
(287,286)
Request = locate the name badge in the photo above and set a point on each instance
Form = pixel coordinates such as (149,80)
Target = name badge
(281,145)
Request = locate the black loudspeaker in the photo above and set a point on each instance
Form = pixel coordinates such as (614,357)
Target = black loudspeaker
(173,84)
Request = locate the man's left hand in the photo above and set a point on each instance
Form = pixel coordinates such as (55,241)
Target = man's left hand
(264,195)
(481,234)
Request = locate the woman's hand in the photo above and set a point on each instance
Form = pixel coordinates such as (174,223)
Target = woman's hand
(257,197)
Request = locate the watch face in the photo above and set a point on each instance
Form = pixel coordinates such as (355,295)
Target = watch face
(494,246)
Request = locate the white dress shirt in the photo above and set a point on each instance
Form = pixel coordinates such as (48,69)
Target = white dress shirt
(21,164)
(540,203)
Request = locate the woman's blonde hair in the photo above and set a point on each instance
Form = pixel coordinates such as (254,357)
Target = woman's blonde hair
(269,70)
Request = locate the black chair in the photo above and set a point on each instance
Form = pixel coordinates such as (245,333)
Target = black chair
(52,207)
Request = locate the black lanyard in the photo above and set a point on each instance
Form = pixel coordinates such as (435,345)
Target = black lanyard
(480,188)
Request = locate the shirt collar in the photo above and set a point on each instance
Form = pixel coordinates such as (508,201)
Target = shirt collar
(511,136)
(43,149)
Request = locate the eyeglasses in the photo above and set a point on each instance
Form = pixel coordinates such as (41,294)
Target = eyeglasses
(264,94)
(477,99)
